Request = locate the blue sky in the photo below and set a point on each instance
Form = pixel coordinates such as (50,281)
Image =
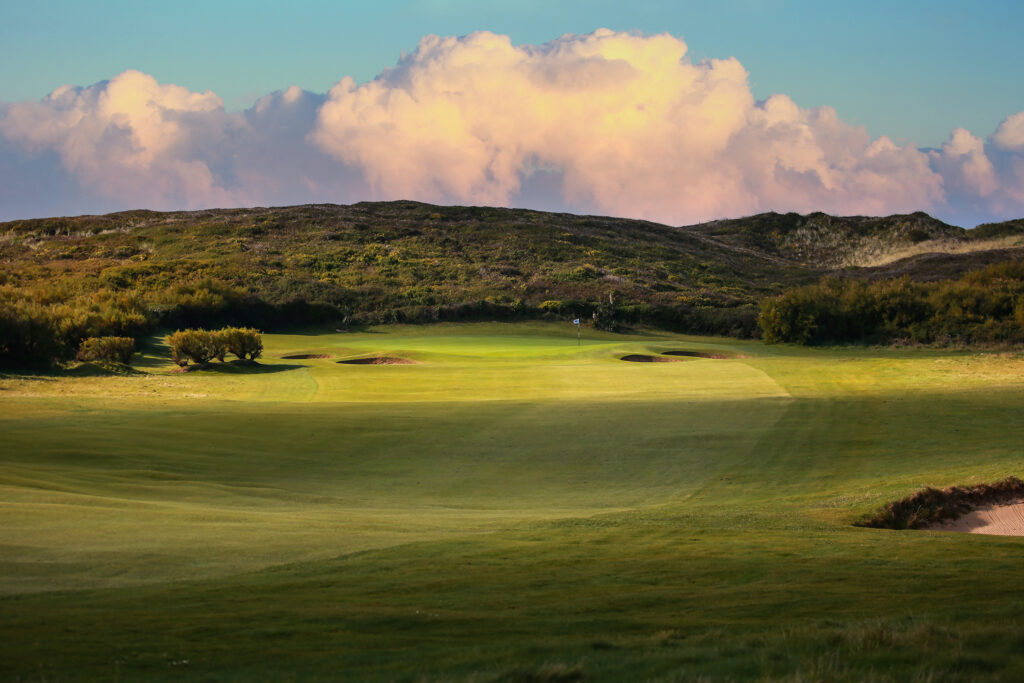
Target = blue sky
(942,80)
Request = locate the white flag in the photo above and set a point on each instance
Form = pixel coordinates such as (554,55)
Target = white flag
(576,321)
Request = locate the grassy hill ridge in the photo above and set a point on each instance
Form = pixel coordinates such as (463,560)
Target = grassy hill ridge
(451,254)
(403,261)
(820,240)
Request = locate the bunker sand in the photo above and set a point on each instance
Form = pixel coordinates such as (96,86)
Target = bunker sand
(995,520)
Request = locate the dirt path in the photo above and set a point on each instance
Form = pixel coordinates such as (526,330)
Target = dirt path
(997,520)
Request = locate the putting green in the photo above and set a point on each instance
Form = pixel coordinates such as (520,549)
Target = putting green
(502,446)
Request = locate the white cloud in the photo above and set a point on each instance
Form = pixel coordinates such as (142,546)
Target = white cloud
(615,123)
(1010,134)
(633,126)
(127,137)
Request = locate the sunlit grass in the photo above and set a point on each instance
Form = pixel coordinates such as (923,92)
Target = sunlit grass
(512,504)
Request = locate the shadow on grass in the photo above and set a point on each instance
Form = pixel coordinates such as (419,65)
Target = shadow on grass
(240,367)
(55,372)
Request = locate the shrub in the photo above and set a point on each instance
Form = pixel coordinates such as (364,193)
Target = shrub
(604,317)
(115,349)
(191,345)
(244,342)
(219,339)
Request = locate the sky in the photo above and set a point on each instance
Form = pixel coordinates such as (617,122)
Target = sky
(678,112)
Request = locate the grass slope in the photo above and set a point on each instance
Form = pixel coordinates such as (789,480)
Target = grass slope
(511,507)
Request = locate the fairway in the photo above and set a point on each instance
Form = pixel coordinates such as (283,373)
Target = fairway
(509,504)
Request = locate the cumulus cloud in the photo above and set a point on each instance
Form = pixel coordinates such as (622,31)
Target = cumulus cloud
(127,137)
(135,142)
(632,126)
(608,122)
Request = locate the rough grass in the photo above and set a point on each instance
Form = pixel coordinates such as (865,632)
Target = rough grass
(514,507)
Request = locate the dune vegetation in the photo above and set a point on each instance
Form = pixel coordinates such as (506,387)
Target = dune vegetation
(508,505)
(126,274)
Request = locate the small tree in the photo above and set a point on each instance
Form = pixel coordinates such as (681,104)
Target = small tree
(191,345)
(115,349)
(244,342)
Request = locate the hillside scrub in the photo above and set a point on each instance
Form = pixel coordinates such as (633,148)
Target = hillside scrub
(930,505)
(982,307)
(127,274)
(114,349)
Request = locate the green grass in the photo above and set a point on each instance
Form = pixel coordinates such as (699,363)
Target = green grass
(511,507)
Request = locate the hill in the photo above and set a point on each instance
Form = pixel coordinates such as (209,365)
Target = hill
(818,240)
(407,261)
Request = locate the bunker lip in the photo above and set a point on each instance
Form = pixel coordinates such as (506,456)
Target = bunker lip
(644,358)
(1006,519)
(378,360)
(932,508)
(306,356)
(716,355)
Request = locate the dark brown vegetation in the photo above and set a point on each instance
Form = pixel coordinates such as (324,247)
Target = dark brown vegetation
(930,505)
(378,360)
(124,274)
(698,354)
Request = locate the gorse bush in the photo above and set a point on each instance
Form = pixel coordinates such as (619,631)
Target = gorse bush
(985,306)
(196,346)
(243,342)
(114,349)
(202,346)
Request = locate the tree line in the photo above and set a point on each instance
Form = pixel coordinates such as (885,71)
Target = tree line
(47,323)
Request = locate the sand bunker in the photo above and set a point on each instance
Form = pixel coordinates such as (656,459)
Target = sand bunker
(997,520)
(378,360)
(642,358)
(717,355)
(306,356)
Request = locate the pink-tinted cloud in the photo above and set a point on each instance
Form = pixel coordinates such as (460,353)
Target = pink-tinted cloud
(607,122)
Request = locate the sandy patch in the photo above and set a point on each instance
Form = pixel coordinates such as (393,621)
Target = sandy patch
(306,356)
(378,360)
(717,355)
(997,520)
(643,358)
